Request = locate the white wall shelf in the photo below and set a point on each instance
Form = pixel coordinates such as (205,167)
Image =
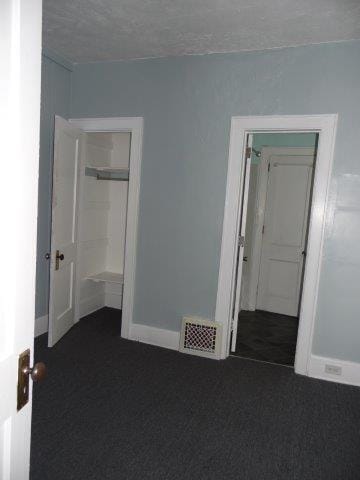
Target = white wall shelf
(108,277)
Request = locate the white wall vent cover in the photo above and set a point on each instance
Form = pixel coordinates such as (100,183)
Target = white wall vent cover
(200,337)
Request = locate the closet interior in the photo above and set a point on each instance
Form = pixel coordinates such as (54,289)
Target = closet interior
(103,202)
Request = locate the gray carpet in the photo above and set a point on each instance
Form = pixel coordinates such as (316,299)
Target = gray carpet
(115,409)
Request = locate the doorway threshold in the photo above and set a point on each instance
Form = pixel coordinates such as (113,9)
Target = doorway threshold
(233,355)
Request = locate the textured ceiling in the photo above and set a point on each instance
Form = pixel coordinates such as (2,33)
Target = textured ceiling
(104,30)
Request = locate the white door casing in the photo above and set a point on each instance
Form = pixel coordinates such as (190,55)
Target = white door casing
(64,231)
(326,126)
(20,69)
(245,178)
(289,173)
(133,125)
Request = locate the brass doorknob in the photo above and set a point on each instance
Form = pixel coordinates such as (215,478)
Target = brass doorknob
(37,372)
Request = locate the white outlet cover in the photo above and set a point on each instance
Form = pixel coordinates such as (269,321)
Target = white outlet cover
(333,369)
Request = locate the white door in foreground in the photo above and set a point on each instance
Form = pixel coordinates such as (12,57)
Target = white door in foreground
(284,233)
(20,68)
(64,229)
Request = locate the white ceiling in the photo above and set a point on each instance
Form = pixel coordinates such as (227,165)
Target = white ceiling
(104,30)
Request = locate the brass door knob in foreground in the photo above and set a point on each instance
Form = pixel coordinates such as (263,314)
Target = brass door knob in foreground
(37,373)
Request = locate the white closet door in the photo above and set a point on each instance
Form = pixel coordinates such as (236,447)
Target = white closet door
(284,233)
(64,229)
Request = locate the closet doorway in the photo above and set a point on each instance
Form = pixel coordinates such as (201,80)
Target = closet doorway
(96,186)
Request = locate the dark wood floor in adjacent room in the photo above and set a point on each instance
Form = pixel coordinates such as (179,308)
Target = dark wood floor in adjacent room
(116,409)
(267,336)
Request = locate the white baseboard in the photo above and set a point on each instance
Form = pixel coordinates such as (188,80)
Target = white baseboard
(91,304)
(113,300)
(155,336)
(248,307)
(334,370)
(41,325)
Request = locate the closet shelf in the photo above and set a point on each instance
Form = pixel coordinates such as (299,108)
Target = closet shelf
(109,277)
(107,173)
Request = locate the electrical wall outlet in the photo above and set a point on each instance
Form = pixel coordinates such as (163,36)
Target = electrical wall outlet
(333,369)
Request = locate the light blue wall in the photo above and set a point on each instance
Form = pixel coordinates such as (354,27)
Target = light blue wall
(187,104)
(55,99)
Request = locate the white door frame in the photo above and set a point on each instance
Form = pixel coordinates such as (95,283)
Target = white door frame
(325,125)
(133,125)
(259,214)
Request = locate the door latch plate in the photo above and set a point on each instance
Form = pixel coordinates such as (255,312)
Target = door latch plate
(23,379)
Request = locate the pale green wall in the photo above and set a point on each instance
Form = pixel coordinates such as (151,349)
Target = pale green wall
(55,99)
(282,140)
(187,104)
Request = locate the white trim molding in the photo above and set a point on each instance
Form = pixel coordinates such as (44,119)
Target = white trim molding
(89,305)
(133,125)
(325,125)
(334,370)
(41,325)
(155,336)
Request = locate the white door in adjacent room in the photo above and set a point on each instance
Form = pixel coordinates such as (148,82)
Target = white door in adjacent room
(244,194)
(284,231)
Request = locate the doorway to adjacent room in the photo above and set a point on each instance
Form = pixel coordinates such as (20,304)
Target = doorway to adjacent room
(280,180)
(273,233)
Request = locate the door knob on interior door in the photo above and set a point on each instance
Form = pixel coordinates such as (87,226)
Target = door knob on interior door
(58,256)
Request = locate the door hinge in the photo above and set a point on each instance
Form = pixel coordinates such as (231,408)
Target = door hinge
(269,167)
(241,241)
(248,152)
(232,325)
(263,229)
